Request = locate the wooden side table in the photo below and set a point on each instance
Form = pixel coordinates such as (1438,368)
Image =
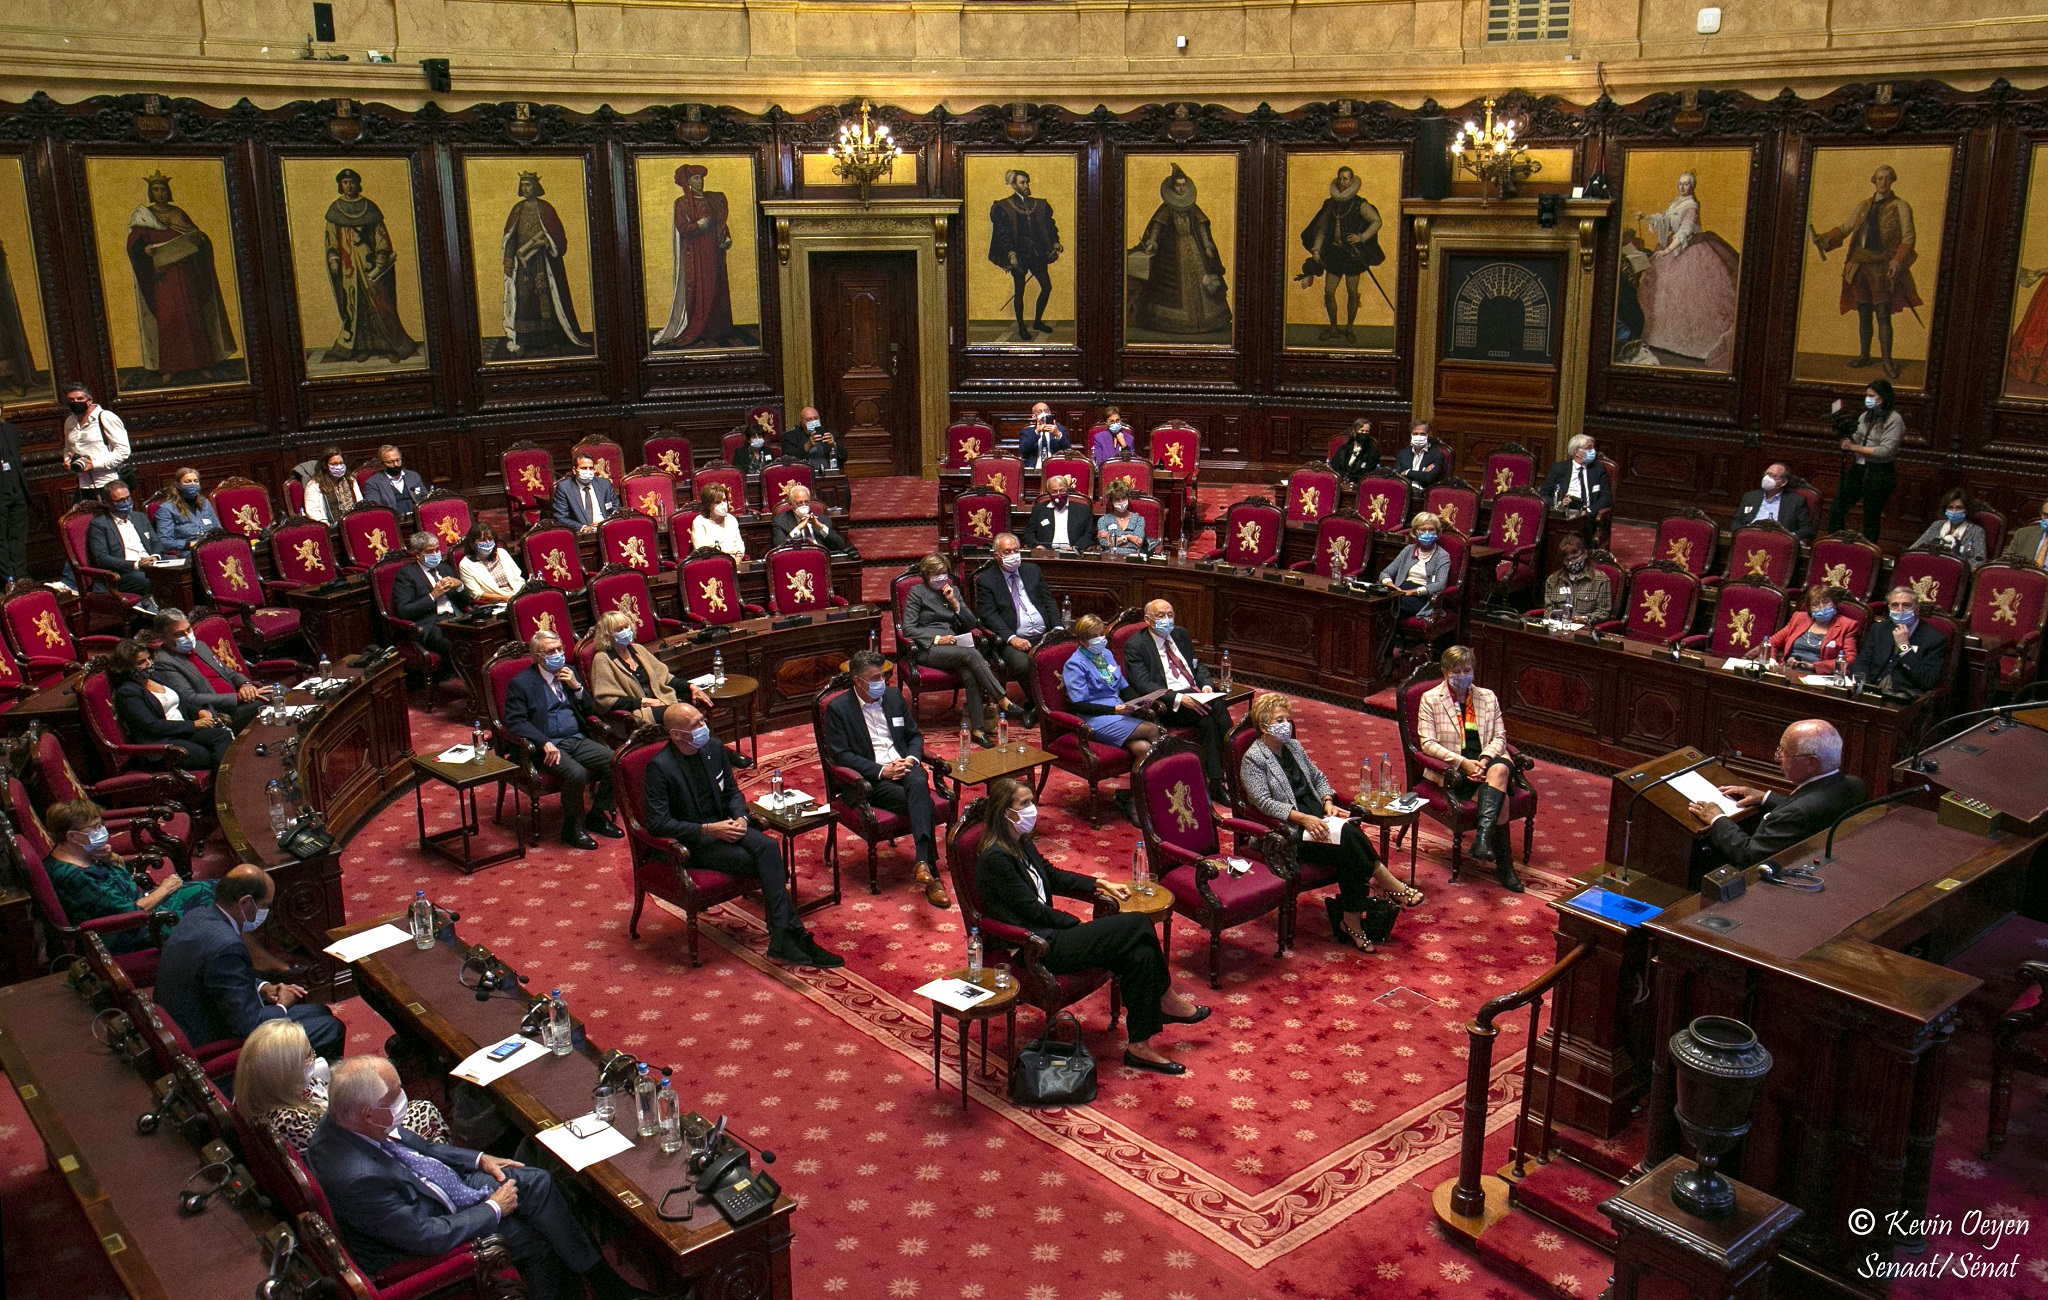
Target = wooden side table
(1376,812)
(466,779)
(985,765)
(1148,899)
(1002,1002)
(740,689)
(787,827)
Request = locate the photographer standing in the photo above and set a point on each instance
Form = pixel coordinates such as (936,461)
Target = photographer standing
(95,442)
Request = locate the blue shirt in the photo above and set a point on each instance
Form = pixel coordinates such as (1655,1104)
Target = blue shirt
(175,533)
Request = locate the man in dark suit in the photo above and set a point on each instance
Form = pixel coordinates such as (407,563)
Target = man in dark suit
(1810,756)
(422,594)
(123,543)
(2030,544)
(1059,519)
(872,730)
(189,667)
(1777,503)
(399,1197)
(1909,656)
(1421,462)
(1162,658)
(1043,437)
(809,440)
(206,980)
(585,497)
(803,521)
(546,705)
(1579,483)
(693,800)
(1011,600)
(13,506)
(397,488)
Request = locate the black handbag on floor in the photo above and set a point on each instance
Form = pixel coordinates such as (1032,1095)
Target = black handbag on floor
(1049,1073)
(1377,920)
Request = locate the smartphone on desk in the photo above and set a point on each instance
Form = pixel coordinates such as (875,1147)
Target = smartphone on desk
(506,1050)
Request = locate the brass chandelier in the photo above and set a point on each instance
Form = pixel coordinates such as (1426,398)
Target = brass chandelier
(864,153)
(1491,153)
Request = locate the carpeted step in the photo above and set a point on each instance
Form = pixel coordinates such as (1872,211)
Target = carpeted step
(1568,1194)
(1526,1250)
(1614,1156)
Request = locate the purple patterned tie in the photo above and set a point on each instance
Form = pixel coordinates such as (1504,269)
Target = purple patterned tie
(437,1175)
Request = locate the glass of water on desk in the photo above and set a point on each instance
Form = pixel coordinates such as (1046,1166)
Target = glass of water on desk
(604,1102)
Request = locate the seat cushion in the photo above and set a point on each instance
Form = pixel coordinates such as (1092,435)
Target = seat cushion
(1110,760)
(1315,875)
(271,624)
(1242,897)
(718,886)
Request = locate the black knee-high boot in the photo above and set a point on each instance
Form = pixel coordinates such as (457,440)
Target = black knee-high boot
(1491,801)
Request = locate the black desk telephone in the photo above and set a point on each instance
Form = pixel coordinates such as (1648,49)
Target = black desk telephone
(721,1170)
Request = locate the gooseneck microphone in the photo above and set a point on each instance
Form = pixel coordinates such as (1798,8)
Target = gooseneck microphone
(1827,853)
(1628,818)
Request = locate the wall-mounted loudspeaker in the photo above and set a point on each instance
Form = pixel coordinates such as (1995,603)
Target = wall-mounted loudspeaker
(1433,157)
(437,75)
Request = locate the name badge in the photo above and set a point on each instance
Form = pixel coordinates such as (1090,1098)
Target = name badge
(895,722)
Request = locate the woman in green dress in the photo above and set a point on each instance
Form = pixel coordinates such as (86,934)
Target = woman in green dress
(92,881)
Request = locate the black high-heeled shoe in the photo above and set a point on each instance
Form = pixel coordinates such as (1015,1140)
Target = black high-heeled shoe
(1196,1017)
(1157,1067)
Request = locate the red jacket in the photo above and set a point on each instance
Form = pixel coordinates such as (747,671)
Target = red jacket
(1839,648)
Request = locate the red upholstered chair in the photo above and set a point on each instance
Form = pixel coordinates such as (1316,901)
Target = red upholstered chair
(1687,539)
(1993,522)
(1004,474)
(632,541)
(1153,512)
(294,497)
(191,791)
(529,470)
(65,936)
(104,605)
(1311,492)
(778,477)
(225,566)
(1455,503)
(364,472)
(446,515)
(1252,532)
(661,866)
(966,443)
(1177,449)
(1306,877)
(610,457)
(1036,986)
(729,445)
(679,525)
(369,532)
(674,457)
(529,772)
(1421,635)
(14,686)
(848,792)
(1661,603)
(1180,828)
(1762,550)
(2015,1046)
(1514,539)
(1794,484)
(978,515)
(552,556)
(537,607)
(1135,470)
(1077,467)
(243,506)
(650,493)
(1849,561)
(627,592)
(1510,465)
(735,484)
(479,1267)
(141,814)
(302,552)
(1937,576)
(710,583)
(767,421)
(1343,545)
(402,632)
(2008,609)
(1063,733)
(1438,804)
(1750,612)
(1383,502)
(800,580)
(219,634)
(43,647)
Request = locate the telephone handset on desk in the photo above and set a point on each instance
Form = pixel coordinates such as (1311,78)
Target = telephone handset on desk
(721,1170)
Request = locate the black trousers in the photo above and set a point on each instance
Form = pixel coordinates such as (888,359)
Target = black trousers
(584,762)
(327,1034)
(1210,735)
(135,580)
(1036,271)
(547,1245)
(202,751)
(1870,484)
(1413,603)
(912,795)
(13,538)
(1017,662)
(1353,857)
(433,638)
(753,854)
(1127,946)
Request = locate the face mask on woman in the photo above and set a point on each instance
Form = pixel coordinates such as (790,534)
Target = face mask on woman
(337,471)
(1280,730)
(318,1074)
(720,511)
(1870,401)
(940,582)
(623,637)
(189,491)
(1425,540)
(1119,507)
(1461,682)
(1824,615)
(1955,516)
(92,843)
(1026,818)
(486,549)
(1098,644)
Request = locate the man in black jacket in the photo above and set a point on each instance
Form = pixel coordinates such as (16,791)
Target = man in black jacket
(1162,658)
(809,440)
(396,488)
(872,730)
(693,800)
(122,542)
(1579,483)
(1011,600)
(1060,520)
(422,594)
(803,521)
(13,506)
(1908,656)
(1810,756)
(546,706)
(1422,461)
(1776,502)
(189,667)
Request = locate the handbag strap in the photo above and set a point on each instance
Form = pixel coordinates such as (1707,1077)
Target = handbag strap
(1045,1035)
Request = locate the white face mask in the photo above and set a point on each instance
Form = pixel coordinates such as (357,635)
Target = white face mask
(1281,730)
(1770,484)
(398,1109)
(802,511)
(1418,442)
(811,426)
(586,476)
(1013,559)
(1026,818)
(720,511)
(318,1075)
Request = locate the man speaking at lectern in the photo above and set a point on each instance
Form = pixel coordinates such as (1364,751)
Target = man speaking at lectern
(1810,756)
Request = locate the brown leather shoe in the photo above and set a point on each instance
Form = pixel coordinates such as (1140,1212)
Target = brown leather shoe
(934,889)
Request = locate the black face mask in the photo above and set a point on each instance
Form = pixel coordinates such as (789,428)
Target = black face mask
(394,471)
(78,408)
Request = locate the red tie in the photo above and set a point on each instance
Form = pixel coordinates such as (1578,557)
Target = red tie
(1180,665)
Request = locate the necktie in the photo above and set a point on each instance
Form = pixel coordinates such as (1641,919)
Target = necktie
(2041,551)
(589,507)
(1179,664)
(440,1177)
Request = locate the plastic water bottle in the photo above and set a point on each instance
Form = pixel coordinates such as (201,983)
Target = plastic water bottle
(643,1102)
(280,814)
(560,1035)
(875,642)
(966,739)
(326,666)
(1002,734)
(668,1110)
(1180,549)
(775,787)
(1224,667)
(717,668)
(1137,864)
(476,742)
(420,916)
(974,955)
(1067,611)
(1386,785)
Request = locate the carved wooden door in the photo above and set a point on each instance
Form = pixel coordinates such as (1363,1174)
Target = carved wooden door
(864,354)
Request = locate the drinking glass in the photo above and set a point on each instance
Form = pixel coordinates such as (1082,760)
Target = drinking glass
(604,1102)
(1002,977)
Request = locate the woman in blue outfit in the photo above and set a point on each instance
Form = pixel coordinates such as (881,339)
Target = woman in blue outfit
(1096,688)
(185,518)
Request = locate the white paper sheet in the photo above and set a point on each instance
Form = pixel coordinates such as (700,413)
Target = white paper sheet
(580,1153)
(791,798)
(1820,679)
(1335,822)
(1697,789)
(1738,665)
(358,946)
(704,681)
(457,754)
(958,995)
(1202,697)
(478,1067)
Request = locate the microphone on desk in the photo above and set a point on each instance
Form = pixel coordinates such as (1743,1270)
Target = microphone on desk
(1916,762)
(1628,818)
(1827,853)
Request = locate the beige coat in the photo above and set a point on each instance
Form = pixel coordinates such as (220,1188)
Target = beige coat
(1440,726)
(615,688)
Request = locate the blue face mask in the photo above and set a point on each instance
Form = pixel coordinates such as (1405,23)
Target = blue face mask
(1590,455)
(124,507)
(1098,644)
(1824,615)
(93,842)
(1870,401)
(701,737)
(1164,626)
(1903,617)
(1955,516)
(189,491)
(486,549)
(432,559)
(875,688)
(1425,539)
(186,644)
(555,662)
(623,637)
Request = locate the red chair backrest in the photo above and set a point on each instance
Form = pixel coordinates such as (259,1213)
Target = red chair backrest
(1311,493)
(552,556)
(1252,532)
(1147,507)
(1688,541)
(1993,524)
(2007,600)
(383,579)
(1120,636)
(1049,691)
(1383,501)
(734,482)
(294,497)
(539,608)
(672,456)
(632,767)
(649,493)
(505,665)
(799,578)
(35,623)
(214,632)
(243,506)
(369,532)
(1131,469)
(1004,474)
(447,517)
(1343,545)
(966,443)
(1763,551)
(1079,468)
(1661,603)
(1936,576)
(765,421)
(1848,561)
(679,524)
(1510,466)
(729,445)
(11,679)
(529,474)
(711,588)
(1176,448)
(1454,504)
(226,565)
(625,591)
(1174,801)
(630,541)
(778,477)
(39,884)
(1750,612)
(978,515)
(96,705)
(963,856)
(1425,678)
(610,457)
(72,528)
(302,552)
(1517,522)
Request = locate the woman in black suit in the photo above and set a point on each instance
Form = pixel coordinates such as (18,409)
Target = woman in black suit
(149,714)
(1017,886)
